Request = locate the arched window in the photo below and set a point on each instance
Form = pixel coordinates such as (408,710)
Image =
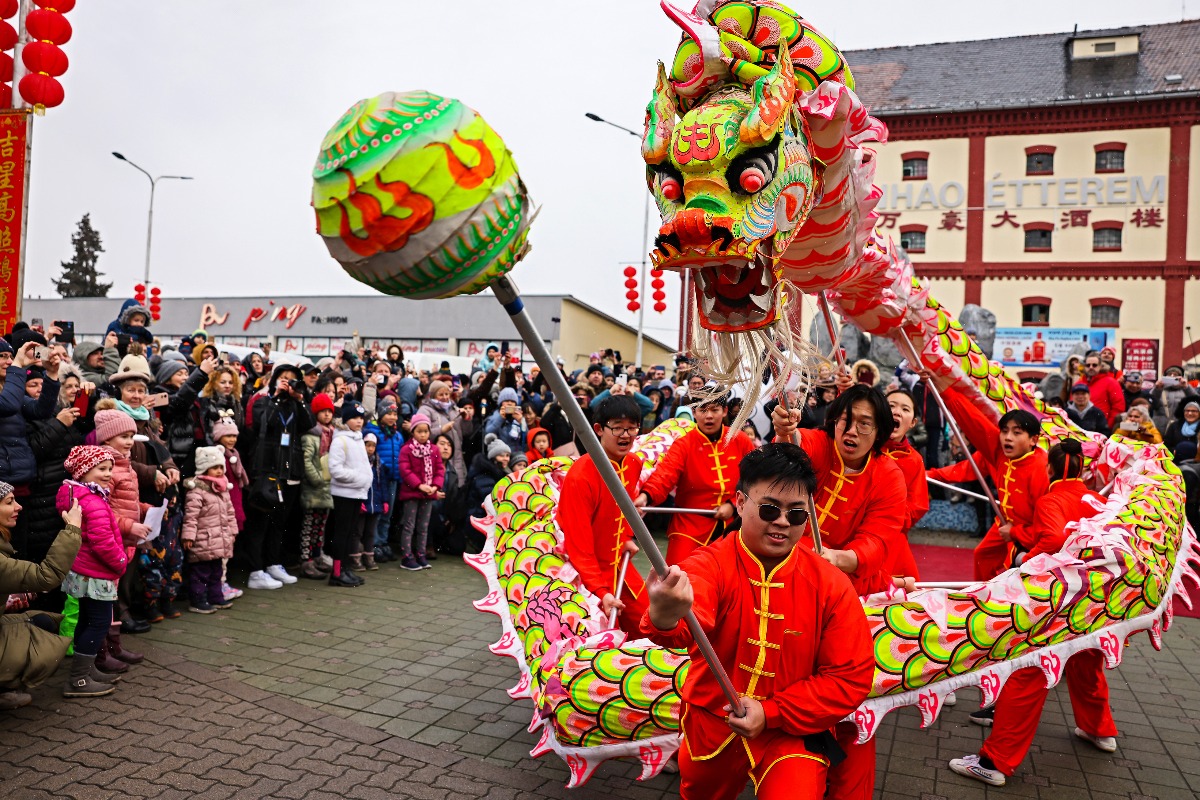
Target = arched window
(1039,160)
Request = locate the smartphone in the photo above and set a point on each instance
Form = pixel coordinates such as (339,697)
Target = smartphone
(1170,380)
(622,380)
(68,331)
(1129,426)
(41,352)
(503,348)
(81,403)
(156,400)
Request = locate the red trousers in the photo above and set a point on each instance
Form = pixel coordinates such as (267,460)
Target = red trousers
(854,778)
(724,776)
(990,555)
(1020,708)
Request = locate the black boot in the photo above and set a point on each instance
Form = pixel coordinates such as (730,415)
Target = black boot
(342,580)
(351,575)
(131,625)
(80,684)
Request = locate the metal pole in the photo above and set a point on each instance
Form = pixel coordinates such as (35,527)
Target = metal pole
(149,231)
(823,301)
(945,584)
(708,512)
(510,297)
(685,327)
(958,489)
(914,358)
(612,615)
(642,306)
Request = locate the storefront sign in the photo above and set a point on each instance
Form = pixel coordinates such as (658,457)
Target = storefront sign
(1140,355)
(12,194)
(1119,190)
(1047,348)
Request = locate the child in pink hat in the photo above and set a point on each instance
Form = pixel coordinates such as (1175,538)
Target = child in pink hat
(421,476)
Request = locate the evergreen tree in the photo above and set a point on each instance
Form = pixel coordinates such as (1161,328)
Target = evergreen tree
(79,275)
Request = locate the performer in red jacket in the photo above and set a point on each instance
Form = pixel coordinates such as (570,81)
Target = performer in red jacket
(595,534)
(1017,712)
(789,631)
(912,467)
(1009,455)
(860,497)
(702,468)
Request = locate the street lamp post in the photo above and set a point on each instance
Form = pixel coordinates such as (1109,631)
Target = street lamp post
(641,327)
(150,217)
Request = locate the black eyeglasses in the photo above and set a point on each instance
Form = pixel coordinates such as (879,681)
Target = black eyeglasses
(770,513)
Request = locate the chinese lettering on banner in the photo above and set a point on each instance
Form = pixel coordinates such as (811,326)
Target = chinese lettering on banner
(1140,355)
(12,194)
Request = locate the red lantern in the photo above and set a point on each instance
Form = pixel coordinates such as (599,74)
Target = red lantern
(48,26)
(42,90)
(630,272)
(656,273)
(9,8)
(631,294)
(631,283)
(657,283)
(139,294)
(660,295)
(61,6)
(634,305)
(155,291)
(46,58)
(660,307)
(8,36)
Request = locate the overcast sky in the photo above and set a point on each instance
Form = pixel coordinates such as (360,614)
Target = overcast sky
(239,95)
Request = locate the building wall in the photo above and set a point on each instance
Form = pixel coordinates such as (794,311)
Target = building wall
(583,333)
(947,291)
(1141,311)
(1193,234)
(938,202)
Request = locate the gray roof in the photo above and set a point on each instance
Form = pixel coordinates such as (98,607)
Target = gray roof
(1025,71)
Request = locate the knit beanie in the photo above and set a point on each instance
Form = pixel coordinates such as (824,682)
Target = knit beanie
(5,489)
(351,411)
(167,369)
(110,423)
(519,459)
(495,446)
(370,437)
(509,393)
(322,402)
(224,427)
(420,419)
(209,457)
(84,457)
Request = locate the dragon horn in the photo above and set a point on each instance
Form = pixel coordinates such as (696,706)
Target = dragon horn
(660,119)
(773,95)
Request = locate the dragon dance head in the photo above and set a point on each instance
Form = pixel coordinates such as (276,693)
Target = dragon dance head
(728,155)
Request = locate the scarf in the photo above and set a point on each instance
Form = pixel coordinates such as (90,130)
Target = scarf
(220,484)
(141,413)
(92,487)
(1188,429)
(445,406)
(423,452)
(326,437)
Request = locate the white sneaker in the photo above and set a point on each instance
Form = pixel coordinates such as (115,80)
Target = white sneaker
(277,572)
(261,580)
(1106,743)
(950,700)
(971,768)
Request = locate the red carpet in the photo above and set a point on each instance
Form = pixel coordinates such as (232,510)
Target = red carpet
(938,563)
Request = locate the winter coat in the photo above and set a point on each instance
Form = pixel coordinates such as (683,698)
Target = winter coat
(238,480)
(183,422)
(1165,402)
(387,449)
(1174,433)
(209,521)
(29,654)
(279,415)
(510,431)
(377,498)
(349,468)
(314,490)
(1107,396)
(532,455)
(40,522)
(412,472)
(148,458)
(121,323)
(645,404)
(112,361)
(102,554)
(214,406)
(124,498)
(17,464)
(1091,419)
(483,477)
(437,419)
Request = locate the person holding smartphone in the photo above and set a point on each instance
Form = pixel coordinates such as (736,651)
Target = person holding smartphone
(1169,393)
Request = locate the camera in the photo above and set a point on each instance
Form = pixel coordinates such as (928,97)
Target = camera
(295,385)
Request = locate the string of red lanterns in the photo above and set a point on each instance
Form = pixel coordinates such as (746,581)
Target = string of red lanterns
(659,295)
(47,30)
(8,40)
(631,285)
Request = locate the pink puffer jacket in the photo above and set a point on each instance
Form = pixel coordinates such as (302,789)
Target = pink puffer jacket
(208,520)
(102,554)
(123,497)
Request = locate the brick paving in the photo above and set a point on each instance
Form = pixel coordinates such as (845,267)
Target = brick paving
(388,690)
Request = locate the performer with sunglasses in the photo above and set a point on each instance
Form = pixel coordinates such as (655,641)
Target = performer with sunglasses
(789,630)
(702,468)
(595,533)
(861,506)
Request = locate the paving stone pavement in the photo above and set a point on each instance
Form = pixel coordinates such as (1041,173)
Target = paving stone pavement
(389,691)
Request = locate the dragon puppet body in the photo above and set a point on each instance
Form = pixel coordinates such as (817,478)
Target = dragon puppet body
(757,155)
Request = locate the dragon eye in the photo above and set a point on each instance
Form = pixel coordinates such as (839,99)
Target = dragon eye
(671,189)
(752,180)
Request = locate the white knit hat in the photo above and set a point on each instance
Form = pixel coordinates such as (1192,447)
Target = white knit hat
(209,457)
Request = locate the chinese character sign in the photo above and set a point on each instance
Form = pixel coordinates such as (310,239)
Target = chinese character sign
(12,194)
(1140,355)
(1045,347)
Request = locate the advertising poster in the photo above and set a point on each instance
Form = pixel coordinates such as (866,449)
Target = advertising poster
(1140,355)
(1045,348)
(289,344)
(317,348)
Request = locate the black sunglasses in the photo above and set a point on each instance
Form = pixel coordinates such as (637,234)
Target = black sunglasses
(770,513)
